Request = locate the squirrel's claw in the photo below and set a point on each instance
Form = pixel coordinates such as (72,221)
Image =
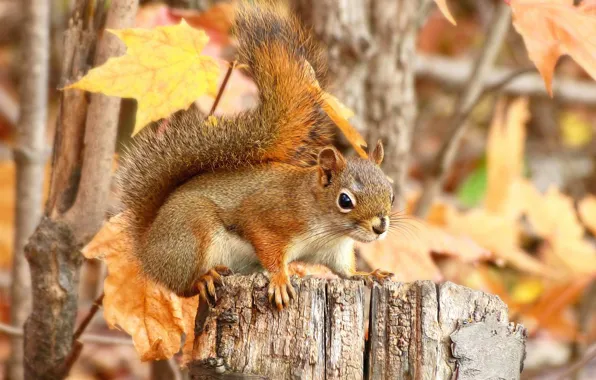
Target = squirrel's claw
(208,282)
(281,290)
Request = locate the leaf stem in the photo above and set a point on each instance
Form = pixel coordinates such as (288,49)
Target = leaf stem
(231,67)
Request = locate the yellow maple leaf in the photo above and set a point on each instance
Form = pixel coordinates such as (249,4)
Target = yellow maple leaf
(153,316)
(554,28)
(442,4)
(163,69)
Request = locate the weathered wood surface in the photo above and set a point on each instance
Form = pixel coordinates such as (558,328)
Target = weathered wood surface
(415,331)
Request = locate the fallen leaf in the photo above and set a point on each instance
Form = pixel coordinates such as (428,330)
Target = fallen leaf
(154,317)
(551,214)
(505,157)
(498,234)
(163,69)
(551,29)
(442,4)
(407,250)
(550,311)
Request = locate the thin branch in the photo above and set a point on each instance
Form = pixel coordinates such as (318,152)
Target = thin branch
(231,67)
(455,73)
(89,317)
(30,157)
(85,338)
(77,346)
(579,364)
(470,95)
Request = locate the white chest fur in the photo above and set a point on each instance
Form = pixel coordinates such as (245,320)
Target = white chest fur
(318,248)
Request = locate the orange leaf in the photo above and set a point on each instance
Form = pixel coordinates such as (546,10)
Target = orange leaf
(550,214)
(498,234)
(163,69)
(442,4)
(154,316)
(551,29)
(587,211)
(505,157)
(407,252)
(550,311)
(339,113)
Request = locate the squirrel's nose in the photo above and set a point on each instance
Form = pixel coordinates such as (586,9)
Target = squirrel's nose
(380,226)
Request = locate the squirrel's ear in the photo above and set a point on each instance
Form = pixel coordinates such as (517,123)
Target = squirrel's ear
(330,161)
(377,154)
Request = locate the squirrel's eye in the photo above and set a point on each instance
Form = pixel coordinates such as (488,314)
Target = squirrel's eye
(345,202)
(392,199)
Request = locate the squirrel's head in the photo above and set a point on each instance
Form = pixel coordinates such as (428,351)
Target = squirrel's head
(355,194)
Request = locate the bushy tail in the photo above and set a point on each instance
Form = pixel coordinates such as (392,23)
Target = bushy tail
(289,125)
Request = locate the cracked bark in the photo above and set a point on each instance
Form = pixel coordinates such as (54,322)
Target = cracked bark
(83,147)
(416,331)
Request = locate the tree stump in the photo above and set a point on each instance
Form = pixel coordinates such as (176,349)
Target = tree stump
(415,331)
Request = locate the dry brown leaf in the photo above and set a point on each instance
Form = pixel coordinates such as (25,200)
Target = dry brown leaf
(554,28)
(550,214)
(587,212)
(153,316)
(498,234)
(442,4)
(505,157)
(407,252)
(550,311)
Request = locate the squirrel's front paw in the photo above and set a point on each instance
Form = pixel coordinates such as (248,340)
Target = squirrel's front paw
(281,290)
(378,275)
(209,280)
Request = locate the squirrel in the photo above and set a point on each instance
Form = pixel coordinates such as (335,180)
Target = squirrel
(257,190)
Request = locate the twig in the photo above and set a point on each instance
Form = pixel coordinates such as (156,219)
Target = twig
(580,363)
(77,346)
(30,156)
(89,317)
(455,73)
(85,338)
(231,67)
(470,95)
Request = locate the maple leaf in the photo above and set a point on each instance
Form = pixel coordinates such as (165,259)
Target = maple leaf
(442,4)
(153,316)
(163,69)
(554,28)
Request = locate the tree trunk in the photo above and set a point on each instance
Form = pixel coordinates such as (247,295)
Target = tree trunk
(83,151)
(416,331)
(371,51)
(30,156)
